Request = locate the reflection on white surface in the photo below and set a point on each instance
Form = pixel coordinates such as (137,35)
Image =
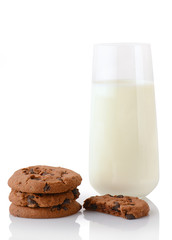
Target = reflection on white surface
(87,226)
(59,228)
(104,226)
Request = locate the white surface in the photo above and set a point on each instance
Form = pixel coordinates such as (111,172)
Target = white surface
(45,86)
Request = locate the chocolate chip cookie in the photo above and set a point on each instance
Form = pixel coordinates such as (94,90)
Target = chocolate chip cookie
(41,200)
(44,179)
(62,210)
(118,205)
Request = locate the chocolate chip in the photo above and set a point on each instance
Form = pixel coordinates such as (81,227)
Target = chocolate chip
(129,216)
(66,201)
(25,171)
(46,187)
(60,178)
(30,197)
(93,206)
(31,202)
(75,192)
(56,207)
(46,173)
(119,196)
(115,208)
(34,178)
(40,194)
(31,171)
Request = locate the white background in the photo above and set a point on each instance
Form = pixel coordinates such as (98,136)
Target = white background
(45,85)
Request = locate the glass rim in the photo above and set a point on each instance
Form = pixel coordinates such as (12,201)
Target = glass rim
(122,44)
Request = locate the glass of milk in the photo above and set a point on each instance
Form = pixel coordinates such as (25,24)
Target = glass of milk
(123,135)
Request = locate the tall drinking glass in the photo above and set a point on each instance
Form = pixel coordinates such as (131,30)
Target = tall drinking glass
(123,138)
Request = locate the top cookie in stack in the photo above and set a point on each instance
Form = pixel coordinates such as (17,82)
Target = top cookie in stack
(44,192)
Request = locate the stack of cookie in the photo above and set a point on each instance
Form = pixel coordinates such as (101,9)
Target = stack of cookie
(44,192)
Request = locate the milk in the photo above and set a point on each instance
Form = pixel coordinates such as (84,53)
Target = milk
(123,139)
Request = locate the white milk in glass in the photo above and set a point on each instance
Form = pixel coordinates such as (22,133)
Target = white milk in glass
(123,139)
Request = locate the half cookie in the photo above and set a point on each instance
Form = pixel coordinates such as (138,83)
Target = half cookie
(118,205)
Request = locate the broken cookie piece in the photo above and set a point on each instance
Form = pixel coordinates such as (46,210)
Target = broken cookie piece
(118,205)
